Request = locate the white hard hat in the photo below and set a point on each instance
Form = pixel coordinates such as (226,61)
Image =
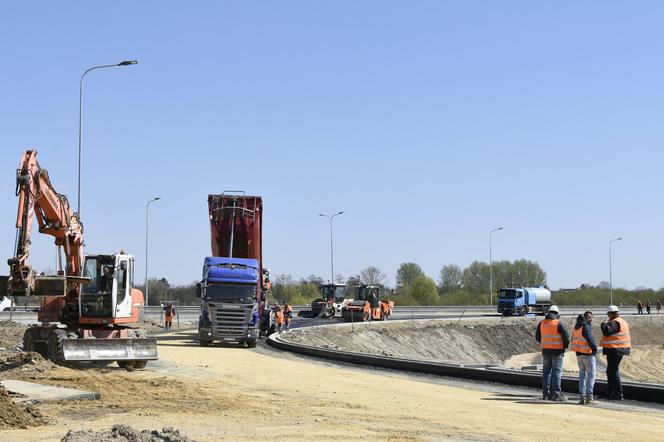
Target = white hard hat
(554,309)
(612,309)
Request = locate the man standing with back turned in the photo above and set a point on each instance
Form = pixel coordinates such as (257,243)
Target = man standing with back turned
(616,343)
(554,339)
(583,343)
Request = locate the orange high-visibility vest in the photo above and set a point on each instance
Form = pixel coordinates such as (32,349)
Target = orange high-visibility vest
(280,317)
(579,343)
(551,338)
(620,339)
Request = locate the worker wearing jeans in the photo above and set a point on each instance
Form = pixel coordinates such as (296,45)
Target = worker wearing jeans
(583,344)
(554,339)
(616,343)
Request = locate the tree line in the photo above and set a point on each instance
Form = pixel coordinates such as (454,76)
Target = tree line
(454,286)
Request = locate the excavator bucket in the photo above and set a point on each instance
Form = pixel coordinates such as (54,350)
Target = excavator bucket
(110,349)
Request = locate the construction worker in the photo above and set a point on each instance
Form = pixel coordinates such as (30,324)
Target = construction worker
(583,343)
(279,314)
(616,343)
(288,315)
(554,339)
(658,305)
(169,313)
(639,307)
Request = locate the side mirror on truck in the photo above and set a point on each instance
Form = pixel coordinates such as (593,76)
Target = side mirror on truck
(198,290)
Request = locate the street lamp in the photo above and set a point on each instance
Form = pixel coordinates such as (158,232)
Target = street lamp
(491,267)
(331,217)
(611,269)
(147,287)
(80,123)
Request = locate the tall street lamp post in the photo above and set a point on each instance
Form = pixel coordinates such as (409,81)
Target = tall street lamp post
(80,123)
(491,266)
(331,217)
(147,286)
(611,269)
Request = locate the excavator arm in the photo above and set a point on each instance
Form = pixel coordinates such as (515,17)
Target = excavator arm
(37,198)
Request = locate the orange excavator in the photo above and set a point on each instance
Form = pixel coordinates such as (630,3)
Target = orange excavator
(88,307)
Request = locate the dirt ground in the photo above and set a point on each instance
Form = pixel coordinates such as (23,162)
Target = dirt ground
(231,393)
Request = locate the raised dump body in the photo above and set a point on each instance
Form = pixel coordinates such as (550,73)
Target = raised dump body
(233,288)
(523,300)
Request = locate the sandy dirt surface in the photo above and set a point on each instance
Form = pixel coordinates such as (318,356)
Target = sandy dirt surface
(645,364)
(506,341)
(486,341)
(230,393)
(124,433)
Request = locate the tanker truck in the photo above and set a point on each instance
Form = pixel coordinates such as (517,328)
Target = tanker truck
(233,288)
(524,300)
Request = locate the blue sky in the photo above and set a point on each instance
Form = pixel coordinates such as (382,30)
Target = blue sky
(429,123)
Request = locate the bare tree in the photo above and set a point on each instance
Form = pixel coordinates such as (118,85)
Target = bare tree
(372,276)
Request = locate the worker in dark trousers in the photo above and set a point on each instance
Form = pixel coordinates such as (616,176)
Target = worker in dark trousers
(616,343)
(554,339)
(583,344)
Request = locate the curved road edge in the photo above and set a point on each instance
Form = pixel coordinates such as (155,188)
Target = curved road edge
(631,390)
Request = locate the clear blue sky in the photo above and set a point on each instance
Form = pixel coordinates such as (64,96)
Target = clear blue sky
(428,123)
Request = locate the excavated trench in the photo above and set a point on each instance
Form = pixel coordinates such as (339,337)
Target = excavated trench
(492,341)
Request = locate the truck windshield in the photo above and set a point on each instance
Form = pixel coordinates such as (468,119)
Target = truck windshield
(508,294)
(231,292)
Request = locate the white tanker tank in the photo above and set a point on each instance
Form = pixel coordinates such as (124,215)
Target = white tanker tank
(523,300)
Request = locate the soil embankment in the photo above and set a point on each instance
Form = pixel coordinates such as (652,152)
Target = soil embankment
(505,341)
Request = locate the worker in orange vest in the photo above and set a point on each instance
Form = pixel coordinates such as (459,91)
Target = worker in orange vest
(583,344)
(616,343)
(288,315)
(169,313)
(279,314)
(554,339)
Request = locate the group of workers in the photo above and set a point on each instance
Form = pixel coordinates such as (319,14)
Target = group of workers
(282,316)
(554,339)
(648,306)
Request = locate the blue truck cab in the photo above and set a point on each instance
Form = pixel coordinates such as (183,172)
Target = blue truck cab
(523,300)
(229,292)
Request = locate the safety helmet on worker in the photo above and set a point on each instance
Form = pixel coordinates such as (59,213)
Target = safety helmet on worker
(612,309)
(554,309)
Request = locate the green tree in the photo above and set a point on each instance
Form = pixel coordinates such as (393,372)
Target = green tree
(451,278)
(476,277)
(423,289)
(407,273)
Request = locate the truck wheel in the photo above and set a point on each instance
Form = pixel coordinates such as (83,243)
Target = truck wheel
(56,352)
(204,342)
(524,310)
(140,364)
(251,343)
